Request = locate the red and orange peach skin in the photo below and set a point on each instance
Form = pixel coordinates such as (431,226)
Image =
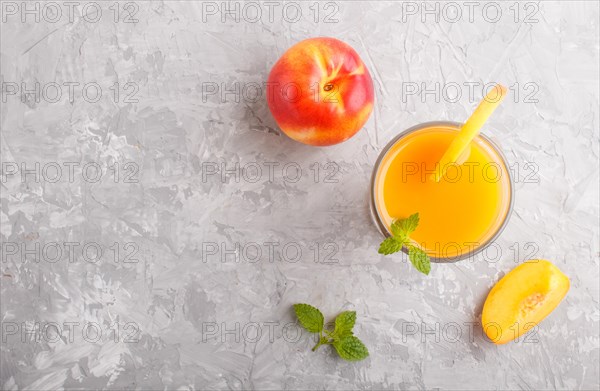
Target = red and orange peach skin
(320,92)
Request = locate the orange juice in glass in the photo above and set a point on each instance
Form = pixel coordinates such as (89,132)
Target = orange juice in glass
(460,214)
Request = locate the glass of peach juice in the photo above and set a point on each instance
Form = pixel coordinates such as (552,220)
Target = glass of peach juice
(462,213)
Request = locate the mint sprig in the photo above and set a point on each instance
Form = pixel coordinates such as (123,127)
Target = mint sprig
(401,230)
(348,346)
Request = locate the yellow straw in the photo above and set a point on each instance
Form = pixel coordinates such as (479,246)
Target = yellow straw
(470,129)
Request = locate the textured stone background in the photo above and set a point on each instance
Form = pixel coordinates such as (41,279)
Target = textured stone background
(182,315)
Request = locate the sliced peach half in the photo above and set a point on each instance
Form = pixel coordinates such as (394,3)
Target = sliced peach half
(522,299)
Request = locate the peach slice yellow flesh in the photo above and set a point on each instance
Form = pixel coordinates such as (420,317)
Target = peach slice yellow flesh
(522,299)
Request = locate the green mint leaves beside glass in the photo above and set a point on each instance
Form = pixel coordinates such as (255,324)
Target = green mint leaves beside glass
(401,230)
(348,346)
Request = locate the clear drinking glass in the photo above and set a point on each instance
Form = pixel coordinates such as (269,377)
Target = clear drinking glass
(377,178)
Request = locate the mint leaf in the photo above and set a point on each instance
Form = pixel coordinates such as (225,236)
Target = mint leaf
(390,245)
(310,318)
(351,348)
(344,323)
(401,230)
(409,224)
(398,231)
(419,259)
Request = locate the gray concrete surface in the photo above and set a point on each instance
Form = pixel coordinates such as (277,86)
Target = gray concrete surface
(175,226)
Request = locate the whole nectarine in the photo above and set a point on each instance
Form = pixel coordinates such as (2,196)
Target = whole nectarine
(320,92)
